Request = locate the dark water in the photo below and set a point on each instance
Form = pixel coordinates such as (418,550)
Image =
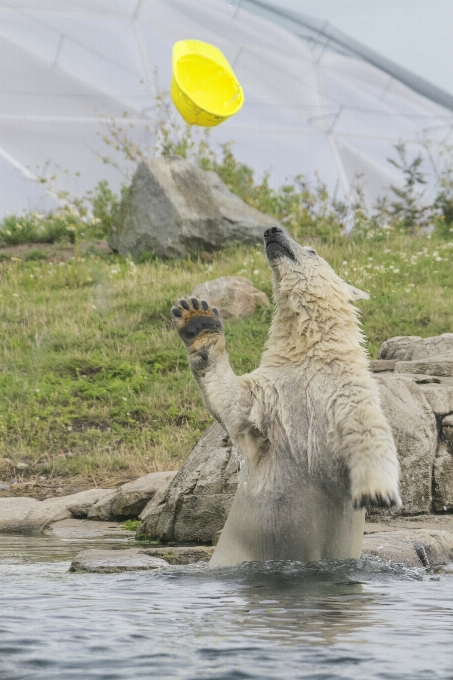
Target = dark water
(360,619)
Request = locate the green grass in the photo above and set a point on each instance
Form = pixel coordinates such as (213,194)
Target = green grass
(131,524)
(95,387)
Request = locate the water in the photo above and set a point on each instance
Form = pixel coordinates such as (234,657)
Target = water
(285,621)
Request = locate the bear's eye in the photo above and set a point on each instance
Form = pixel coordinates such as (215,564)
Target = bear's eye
(311,251)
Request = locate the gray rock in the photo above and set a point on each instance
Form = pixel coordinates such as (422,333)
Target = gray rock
(131,498)
(412,347)
(181,555)
(439,395)
(436,365)
(80,503)
(27,515)
(199,498)
(200,517)
(397,348)
(102,510)
(4,487)
(412,523)
(13,512)
(413,548)
(174,209)
(232,295)
(447,421)
(83,529)
(414,430)
(114,561)
(215,538)
(381,365)
(447,434)
(443,478)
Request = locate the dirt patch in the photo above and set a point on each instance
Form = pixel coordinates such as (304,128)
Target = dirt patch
(56,485)
(80,425)
(54,252)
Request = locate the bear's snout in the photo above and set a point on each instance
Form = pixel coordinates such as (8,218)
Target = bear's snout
(277,244)
(272,231)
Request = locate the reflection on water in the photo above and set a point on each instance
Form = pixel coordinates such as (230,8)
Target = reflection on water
(359,619)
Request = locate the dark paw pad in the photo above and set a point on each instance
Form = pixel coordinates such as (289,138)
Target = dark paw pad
(193,318)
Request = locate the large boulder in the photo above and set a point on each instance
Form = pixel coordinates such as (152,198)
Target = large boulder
(443,479)
(128,501)
(414,430)
(443,468)
(173,209)
(101,511)
(232,295)
(13,512)
(132,497)
(199,498)
(412,347)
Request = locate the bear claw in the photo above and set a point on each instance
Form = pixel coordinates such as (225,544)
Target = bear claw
(376,501)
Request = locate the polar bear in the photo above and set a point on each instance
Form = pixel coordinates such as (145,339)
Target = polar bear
(315,447)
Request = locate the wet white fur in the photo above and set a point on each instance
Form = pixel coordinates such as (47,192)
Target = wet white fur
(307,423)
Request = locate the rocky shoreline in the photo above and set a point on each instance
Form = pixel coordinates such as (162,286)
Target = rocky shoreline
(107,547)
(188,508)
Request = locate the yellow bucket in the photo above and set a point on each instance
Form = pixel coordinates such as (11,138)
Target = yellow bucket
(204,88)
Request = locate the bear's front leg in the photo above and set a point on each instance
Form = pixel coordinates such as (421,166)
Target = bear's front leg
(364,438)
(227,397)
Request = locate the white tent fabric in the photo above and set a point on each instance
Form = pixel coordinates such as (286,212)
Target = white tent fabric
(309,106)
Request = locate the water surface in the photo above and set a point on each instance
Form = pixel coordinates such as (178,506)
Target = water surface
(359,619)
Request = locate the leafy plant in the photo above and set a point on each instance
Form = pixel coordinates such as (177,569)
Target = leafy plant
(131,524)
(408,208)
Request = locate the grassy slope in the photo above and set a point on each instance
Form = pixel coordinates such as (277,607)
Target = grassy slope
(94,387)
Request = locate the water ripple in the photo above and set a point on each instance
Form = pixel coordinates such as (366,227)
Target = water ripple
(283,621)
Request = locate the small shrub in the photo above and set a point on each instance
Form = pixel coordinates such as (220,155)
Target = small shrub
(131,524)
(35,256)
(408,208)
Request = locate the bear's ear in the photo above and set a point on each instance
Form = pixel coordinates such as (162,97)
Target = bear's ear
(357,294)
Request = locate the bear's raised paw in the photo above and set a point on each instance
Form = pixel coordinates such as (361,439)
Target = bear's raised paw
(195,318)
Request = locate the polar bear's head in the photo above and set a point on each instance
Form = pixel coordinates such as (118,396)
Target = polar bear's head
(313,304)
(293,263)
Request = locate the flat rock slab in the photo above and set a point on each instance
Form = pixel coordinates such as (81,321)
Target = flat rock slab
(413,548)
(27,515)
(82,529)
(115,561)
(381,365)
(436,365)
(181,555)
(436,522)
